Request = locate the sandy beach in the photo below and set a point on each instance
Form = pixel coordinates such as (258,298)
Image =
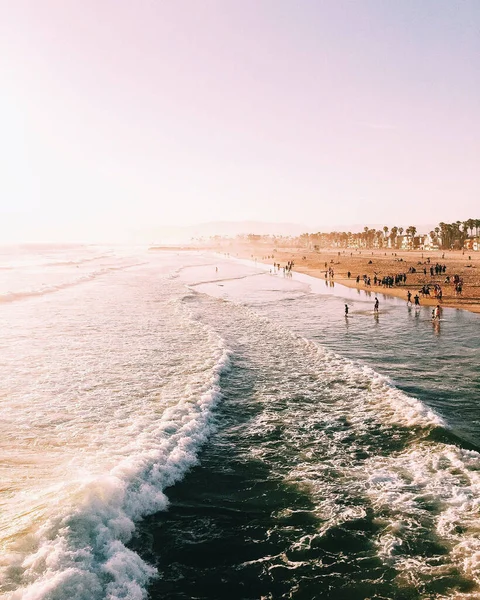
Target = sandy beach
(380,263)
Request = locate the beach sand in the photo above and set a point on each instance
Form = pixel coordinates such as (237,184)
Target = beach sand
(382,263)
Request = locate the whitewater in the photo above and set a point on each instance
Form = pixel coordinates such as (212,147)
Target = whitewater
(179,425)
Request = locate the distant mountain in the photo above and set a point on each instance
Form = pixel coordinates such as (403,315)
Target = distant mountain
(232,228)
(176,235)
(182,235)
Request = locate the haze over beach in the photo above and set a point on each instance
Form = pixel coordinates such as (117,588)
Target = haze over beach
(116,116)
(239,297)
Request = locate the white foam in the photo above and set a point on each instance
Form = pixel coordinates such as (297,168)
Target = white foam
(49,289)
(79,552)
(327,411)
(447,478)
(360,382)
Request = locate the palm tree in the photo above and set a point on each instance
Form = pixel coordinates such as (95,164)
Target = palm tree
(410,231)
(365,236)
(443,229)
(457,235)
(448,234)
(470,225)
(393,236)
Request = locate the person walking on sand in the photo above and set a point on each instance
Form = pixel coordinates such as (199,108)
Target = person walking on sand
(375,306)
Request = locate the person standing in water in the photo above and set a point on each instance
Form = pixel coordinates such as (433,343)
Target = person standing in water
(346,310)
(375,306)
(409,297)
(417,300)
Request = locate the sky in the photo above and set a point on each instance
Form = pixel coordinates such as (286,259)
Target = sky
(119,116)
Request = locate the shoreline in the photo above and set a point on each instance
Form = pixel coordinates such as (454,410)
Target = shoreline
(371,262)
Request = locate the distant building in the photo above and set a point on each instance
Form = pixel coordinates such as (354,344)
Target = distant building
(472,243)
(430,243)
(407,242)
(355,242)
(420,242)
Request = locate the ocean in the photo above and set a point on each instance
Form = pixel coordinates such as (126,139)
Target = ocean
(185,425)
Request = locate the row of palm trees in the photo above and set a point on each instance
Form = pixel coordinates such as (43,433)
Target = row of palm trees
(454,234)
(368,238)
(445,235)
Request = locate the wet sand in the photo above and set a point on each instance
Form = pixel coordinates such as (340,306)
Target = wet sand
(382,263)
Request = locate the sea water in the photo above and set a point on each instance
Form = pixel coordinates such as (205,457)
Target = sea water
(179,425)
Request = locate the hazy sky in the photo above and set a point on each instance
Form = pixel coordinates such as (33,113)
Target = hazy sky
(119,115)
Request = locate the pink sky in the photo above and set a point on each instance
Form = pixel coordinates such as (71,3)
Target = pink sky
(118,116)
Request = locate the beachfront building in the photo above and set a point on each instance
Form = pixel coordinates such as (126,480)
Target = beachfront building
(424,242)
(430,242)
(413,242)
(355,241)
(472,243)
(420,242)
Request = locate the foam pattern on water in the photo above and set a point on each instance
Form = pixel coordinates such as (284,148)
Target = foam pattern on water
(108,389)
(364,451)
(112,417)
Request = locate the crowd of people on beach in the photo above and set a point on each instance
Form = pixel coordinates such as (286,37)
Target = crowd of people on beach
(386,281)
(427,290)
(287,269)
(436,291)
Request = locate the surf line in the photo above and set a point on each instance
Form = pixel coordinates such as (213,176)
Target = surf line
(317,285)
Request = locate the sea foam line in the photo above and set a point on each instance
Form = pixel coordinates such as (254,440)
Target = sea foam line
(392,404)
(13,296)
(81,554)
